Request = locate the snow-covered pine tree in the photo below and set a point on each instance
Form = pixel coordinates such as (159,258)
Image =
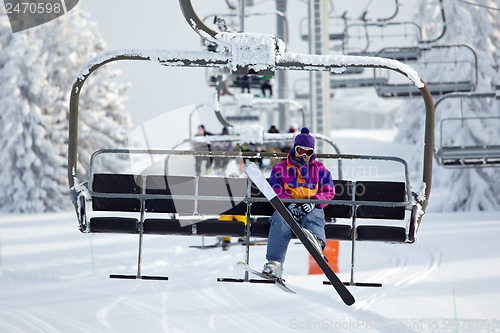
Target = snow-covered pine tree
(37,68)
(460,188)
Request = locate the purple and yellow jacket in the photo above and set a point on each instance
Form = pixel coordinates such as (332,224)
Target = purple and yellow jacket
(290,180)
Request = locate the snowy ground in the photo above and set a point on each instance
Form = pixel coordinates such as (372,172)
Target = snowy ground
(55,279)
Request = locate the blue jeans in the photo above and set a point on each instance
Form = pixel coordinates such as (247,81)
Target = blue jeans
(280,233)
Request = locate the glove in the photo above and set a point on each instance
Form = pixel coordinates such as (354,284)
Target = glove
(300,210)
(307,207)
(296,211)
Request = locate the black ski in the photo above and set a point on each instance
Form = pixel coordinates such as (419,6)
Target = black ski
(260,181)
(280,283)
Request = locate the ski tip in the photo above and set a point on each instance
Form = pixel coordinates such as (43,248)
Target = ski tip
(253,170)
(260,181)
(349,300)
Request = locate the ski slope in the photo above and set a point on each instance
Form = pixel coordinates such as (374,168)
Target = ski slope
(55,279)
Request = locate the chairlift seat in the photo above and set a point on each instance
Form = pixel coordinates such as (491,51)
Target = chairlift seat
(400,54)
(193,198)
(246,118)
(331,36)
(214,227)
(119,225)
(357,83)
(469,155)
(350,70)
(381,233)
(158,226)
(435,88)
(253,81)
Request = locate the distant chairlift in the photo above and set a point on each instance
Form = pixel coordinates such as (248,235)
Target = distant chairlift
(255,108)
(458,62)
(393,33)
(336,28)
(248,105)
(400,41)
(366,39)
(337,24)
(389,39)
(301,87)
(483,154)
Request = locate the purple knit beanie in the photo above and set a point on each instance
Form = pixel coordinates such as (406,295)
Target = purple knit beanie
(304,138)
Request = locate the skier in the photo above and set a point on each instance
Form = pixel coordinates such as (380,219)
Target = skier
(300,176)
(202,147)
(266,85)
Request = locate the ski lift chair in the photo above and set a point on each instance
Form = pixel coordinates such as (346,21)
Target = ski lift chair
(126,194)
(390,32)
(262,105)
(366,39)
(458,60)
(334,22)
(301,88)
(485,154)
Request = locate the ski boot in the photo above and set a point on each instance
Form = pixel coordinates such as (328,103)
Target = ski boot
(273,268)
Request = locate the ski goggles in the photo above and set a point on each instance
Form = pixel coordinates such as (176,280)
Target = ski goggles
(304,151)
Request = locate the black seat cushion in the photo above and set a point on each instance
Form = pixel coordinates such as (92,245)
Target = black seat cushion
(380,191)
(170,185)
(116,183)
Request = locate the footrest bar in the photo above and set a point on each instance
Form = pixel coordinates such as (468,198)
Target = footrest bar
(242,280)
(135,277)
(357,284)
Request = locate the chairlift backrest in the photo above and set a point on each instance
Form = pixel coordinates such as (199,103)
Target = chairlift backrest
(382,192)
(117,184)
(229,188)
(165,185)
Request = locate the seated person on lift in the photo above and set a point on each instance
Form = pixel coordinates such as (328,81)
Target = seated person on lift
(300,176)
